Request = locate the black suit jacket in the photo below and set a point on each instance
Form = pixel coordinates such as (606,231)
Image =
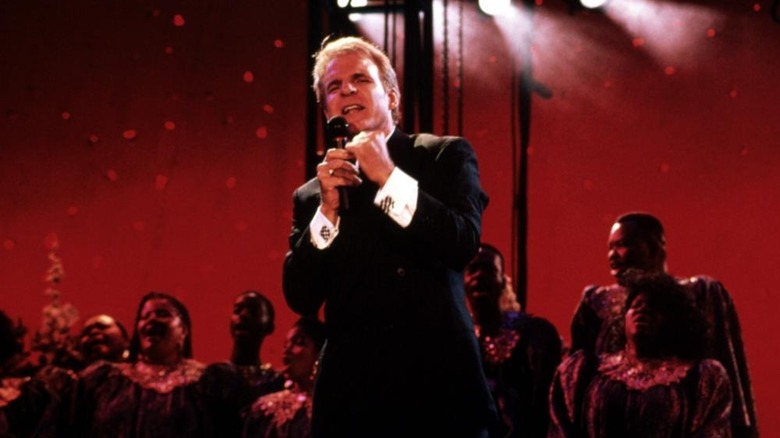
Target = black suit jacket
(401,348)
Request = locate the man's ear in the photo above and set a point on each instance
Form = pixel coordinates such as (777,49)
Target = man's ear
(394,98)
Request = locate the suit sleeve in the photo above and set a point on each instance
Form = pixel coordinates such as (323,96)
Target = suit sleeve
(304,265)
(448,218)
(585,325)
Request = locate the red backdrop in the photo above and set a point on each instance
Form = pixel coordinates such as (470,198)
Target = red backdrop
(161,141)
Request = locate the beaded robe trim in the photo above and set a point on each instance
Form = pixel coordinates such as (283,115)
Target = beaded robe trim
(11,389)
(282,406)
(163,378)
(497,349)
(645,374)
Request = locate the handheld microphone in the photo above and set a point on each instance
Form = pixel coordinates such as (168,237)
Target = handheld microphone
(337,130)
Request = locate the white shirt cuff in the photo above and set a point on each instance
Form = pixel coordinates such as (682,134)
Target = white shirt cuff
(322,231)
(398,197)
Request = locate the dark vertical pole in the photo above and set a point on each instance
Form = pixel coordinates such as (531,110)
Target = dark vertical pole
(411,57)
(313,113)
(521,204)
(426,61)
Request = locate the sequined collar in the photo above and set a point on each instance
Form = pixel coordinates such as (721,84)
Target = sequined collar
(162,378)
(282,406)
(641,375)
(497,349)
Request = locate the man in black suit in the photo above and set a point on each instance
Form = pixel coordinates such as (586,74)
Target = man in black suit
(401,358)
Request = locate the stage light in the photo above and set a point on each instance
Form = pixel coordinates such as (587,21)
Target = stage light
(593,4)
(352,3)
(494,7)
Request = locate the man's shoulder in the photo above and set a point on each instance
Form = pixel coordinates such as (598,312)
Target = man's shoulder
(705,288)
(435,142)
(700,281)
(309,189)
(596,291)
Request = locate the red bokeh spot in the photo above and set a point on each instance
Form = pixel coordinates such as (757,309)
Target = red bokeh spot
(129,134)
(9,244)
(73,210)
(231,182)
(268,108)
(711,33)
(664,168)
(757,7)
(168,50)
(733,94)
(112,175)
(278,44)
(94,139)
(169,125)
(51,241)
(638,42)
(262,132)
(492,59)
(65,115)
(670,70)
(178,20)
(249,77)
(160,182)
